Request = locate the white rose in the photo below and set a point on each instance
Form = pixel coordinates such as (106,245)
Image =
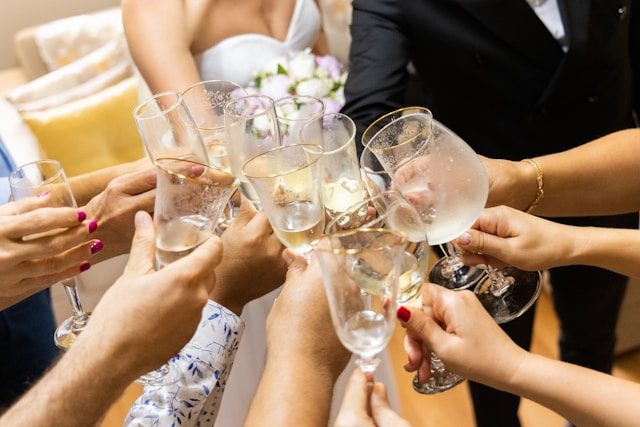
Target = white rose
(302,65)
(314,87)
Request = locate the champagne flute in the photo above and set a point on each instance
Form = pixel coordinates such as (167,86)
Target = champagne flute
(168,129)
(206,100)
(30,180)
(361,270)
(341,178)
(293,112)
(251,128)
(190,197)
(286,180)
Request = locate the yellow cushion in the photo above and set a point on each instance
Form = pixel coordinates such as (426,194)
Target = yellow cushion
(92,132)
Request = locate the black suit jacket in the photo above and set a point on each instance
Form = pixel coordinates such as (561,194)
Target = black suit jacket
(491,71)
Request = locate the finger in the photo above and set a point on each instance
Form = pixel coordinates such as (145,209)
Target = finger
(353,409)
(381,411)
(137,182)
(245,213)
(205,258)
(296,263)
(143,246)
(42,220)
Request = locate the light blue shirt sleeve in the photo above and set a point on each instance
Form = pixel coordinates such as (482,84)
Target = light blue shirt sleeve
(5,191)
(205,363)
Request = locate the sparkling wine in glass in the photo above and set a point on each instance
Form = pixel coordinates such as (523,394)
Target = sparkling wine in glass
(341,179)
(30,180)
(361,270)
(206,100)
(190,198)
(287,182)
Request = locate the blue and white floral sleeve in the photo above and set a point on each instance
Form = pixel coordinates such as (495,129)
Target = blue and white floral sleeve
(204,364)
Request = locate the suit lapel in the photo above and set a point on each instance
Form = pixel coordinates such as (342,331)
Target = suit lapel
(518,26)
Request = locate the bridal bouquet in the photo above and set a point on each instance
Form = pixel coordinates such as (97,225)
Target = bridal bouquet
(303,73)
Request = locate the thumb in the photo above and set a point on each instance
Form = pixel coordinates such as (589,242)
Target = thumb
(294,261)
(381,411)
(143,245)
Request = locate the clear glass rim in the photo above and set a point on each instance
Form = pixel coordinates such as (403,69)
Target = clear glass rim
(314,149)
(19,183)
(401,239)
(159,163)
(388,116)
(265,98)
(138,110)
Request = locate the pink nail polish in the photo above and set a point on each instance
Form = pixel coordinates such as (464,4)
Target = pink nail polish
(81,216)
(96,247)
(44,193)
(92,226)
(85,266)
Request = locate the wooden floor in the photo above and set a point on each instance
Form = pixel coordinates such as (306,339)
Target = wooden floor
(453,408)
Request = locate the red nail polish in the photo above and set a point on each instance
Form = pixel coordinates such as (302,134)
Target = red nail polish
(96,247)
(92,226)
(85,266)
(404,314)
(81,216)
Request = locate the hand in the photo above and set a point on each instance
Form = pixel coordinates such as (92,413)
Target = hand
(455,326)
(510,183)
(299,324)
(147,316)
(115,207)
(505,236)
(365,404)
(28,266)
(252,265)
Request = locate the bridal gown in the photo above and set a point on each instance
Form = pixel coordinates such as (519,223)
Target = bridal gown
(236,59)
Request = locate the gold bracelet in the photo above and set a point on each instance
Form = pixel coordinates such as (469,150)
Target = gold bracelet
(540,180)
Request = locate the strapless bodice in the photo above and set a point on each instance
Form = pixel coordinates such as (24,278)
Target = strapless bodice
(237,58)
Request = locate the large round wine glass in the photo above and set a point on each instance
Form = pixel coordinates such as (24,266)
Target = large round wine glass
(361,270)
(47,176)
(440,174)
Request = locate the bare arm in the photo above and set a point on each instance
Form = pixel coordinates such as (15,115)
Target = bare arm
(596,178)
(159,38)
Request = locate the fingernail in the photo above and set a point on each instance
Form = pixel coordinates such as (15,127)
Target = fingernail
(464,239)
(81,216)
(92,226)
(85,266)
(96,247)
(44,193)
(404,313)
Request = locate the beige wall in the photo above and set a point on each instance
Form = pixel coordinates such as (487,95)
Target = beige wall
(18,14)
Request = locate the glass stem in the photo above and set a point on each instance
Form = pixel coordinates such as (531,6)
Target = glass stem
(500,284)
(368,364)
(79,317)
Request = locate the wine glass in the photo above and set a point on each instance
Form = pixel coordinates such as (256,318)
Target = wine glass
(446,181)
(30,180)
(251,128)
(438,172)
(508,292)
(287,182)
(168,129)
(361,270)
(341,178)
(206,100)
(293,112)
(190,197)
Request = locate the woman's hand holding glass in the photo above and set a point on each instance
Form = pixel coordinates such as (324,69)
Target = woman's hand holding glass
(30,265)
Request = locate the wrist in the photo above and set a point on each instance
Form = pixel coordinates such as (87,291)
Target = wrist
(538,175)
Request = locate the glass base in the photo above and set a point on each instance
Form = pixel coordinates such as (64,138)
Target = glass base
(509,304)
(162,376)
(452,274)
(67,332)
(440,380)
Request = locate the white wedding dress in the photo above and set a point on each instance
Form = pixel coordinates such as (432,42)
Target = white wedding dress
(236,59)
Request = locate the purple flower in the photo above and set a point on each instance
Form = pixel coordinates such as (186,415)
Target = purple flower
(331,65)
(276,86)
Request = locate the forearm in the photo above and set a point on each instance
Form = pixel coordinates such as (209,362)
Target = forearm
(292,391)
(77,391)
(597,178)
(611,248)
(583,396)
